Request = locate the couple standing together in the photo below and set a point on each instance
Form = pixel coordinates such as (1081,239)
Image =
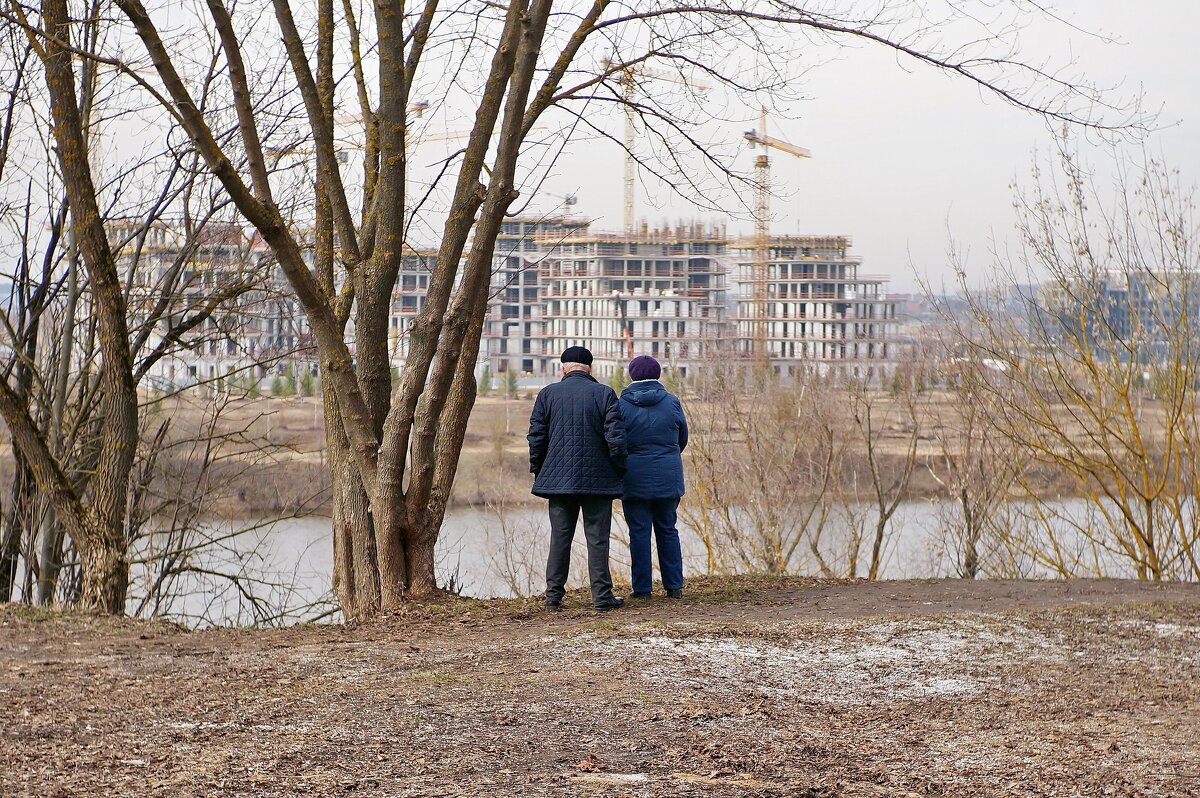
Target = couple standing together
(587,448)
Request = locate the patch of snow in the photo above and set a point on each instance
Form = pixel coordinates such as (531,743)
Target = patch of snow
(1162,629)
(884,662)
(946,687)
(211,726)
(1175,630)
(613,778)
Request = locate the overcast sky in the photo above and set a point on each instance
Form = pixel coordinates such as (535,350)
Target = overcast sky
(902,153)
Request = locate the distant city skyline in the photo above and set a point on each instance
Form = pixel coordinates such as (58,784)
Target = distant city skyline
(904,156)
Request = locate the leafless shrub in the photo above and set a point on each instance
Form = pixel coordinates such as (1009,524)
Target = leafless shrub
(761,467)
(1094,374)
(876,480)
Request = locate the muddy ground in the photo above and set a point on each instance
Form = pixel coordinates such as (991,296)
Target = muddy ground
(747,688)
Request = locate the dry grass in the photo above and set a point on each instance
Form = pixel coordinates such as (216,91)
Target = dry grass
(493,467)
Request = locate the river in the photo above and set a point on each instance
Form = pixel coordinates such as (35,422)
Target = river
(286,565)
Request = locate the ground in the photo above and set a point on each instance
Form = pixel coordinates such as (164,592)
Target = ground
(747,688)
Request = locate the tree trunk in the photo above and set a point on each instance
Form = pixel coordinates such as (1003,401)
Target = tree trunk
(14,529)
(971,559)
(105,576)
(19,525)
(420,551)
(10,543)
(355,563)
(51,542)
(100,529)
(21,509)
(877,549)
(970,568)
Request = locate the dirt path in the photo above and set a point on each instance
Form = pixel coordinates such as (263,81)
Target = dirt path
(750,688)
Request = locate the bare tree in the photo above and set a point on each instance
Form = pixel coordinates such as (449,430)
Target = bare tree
(97,523)
(884,466)
(394,453)
(974,464)
(1094,373)
(91,313)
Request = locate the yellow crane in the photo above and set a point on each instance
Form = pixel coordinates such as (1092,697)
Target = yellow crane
(629,78)
(344,145)
(761,267)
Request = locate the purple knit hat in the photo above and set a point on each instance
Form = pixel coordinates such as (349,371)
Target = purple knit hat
(644,367)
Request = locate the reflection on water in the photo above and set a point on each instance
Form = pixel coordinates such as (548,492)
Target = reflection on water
(287,565)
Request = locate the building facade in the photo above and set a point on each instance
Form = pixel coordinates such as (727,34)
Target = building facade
(659,292)
(514,332)
(256,331)
(1145,315)
(821,312)
(408,300)
(684,294)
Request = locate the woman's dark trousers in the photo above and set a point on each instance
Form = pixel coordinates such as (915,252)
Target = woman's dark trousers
(657,515)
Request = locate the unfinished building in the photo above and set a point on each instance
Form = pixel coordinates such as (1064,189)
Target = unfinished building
(514,331)
(659,292)
(408,299)
(815,309)
(257,332)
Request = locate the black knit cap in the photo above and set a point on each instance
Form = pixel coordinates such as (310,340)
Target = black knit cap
(576,354)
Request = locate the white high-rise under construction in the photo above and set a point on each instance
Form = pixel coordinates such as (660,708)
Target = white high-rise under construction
(658,292)
(819,312)
(685,295)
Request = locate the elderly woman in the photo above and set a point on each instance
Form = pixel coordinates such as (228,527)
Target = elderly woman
(656,433)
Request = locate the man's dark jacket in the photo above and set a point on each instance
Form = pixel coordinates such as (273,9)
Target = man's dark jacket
(658,434)
(577,439)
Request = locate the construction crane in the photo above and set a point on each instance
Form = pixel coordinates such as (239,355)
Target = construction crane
(342,146)
(416,110)
(626,324)
(629,77)
(345,145)
(566,201)
(761,267)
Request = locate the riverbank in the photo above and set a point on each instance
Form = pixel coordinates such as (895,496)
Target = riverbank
(270,457)
(751,687)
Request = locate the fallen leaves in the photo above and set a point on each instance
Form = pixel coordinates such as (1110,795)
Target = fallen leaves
(510,711)
(590,764)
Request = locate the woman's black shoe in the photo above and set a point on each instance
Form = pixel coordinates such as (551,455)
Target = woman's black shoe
(613,604)
(640,596)
(553,606)
(675,594)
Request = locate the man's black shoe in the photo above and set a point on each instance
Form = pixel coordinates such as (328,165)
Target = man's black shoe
(553,606)
(613,604)
(675,594)
(640,596)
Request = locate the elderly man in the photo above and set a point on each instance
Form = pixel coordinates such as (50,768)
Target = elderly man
(577,452)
